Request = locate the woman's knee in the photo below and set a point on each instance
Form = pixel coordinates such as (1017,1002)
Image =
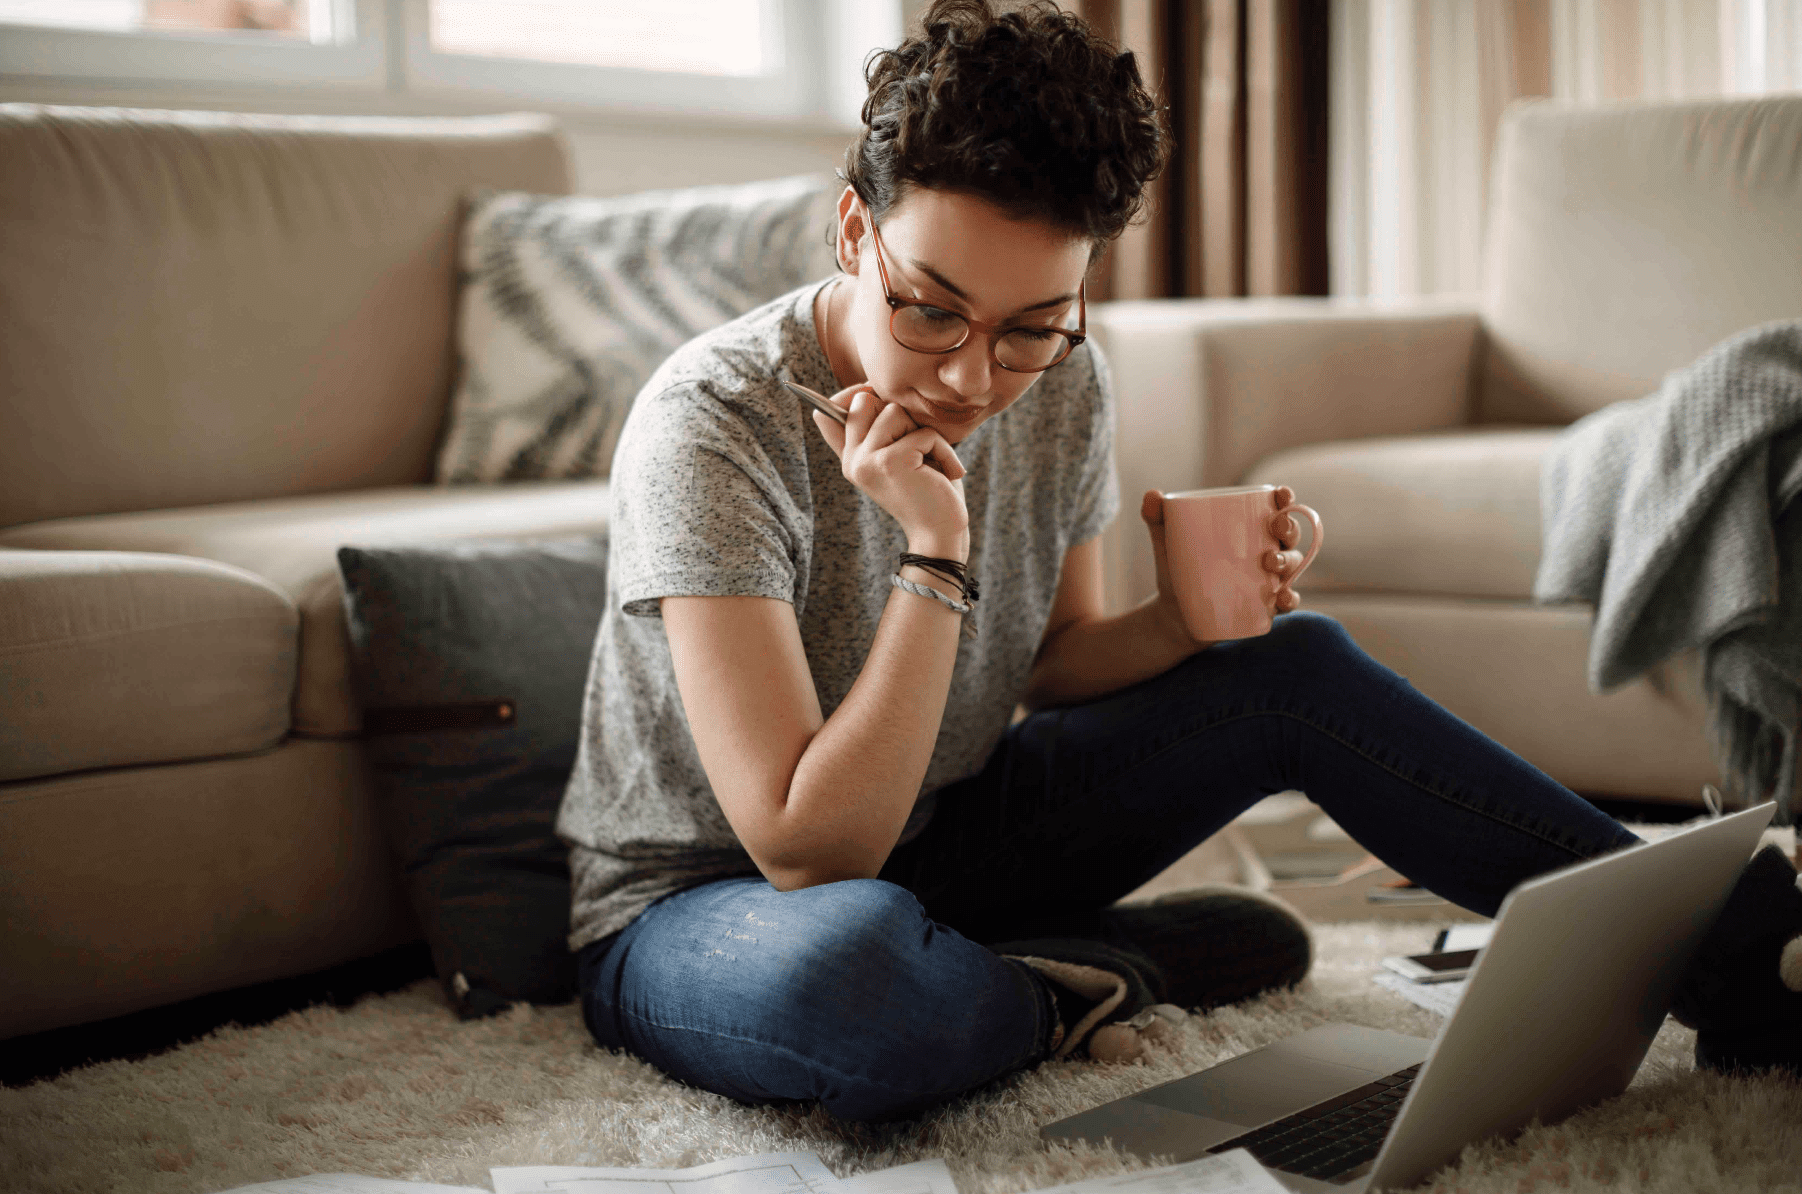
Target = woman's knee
(1303,654)
(871,955)
(851,922)
(1310,629)
(1302,638)
(1310,644)
(857,999)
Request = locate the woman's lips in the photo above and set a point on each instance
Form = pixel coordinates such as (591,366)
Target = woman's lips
(952,414)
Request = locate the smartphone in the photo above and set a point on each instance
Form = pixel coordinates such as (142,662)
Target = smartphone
(1436,967)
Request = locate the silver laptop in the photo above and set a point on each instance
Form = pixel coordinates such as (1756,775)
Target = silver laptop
(1559,1012)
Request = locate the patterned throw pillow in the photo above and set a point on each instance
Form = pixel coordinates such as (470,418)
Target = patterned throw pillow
(570,303)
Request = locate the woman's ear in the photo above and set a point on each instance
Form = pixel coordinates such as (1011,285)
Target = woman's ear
(853,224)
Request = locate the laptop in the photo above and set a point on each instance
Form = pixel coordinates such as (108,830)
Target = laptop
(1558,1014)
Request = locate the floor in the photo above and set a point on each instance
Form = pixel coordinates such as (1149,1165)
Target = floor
(28,1059)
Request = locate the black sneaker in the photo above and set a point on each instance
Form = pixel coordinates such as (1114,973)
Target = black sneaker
(1743,992)
(1214,944)
(1109,1000)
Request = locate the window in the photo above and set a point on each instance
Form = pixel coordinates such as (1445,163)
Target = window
(697,37)
(1763,45)
(740,56)
(292,20)
(772,58)
(257,42)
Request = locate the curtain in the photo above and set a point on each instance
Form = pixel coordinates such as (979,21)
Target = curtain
(1418,88)
(1242,208)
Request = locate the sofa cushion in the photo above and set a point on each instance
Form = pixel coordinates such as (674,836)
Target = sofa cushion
(1454,512)
(292,543)
(470,661)
(569,304)
(110,658)
(204,307)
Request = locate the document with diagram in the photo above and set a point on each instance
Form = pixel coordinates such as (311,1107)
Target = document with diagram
(1233,1172)
(766,1173)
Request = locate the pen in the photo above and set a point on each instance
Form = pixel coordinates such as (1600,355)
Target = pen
(818,402)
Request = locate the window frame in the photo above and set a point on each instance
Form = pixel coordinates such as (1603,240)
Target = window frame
(390,54)
(200,59)
(790,91)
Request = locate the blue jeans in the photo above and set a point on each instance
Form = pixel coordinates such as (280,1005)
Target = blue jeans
(879,998)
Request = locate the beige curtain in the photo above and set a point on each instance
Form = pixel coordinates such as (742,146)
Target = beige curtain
(1418,88)
(1242,208)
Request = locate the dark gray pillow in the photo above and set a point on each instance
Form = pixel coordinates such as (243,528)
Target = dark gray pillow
(470,660)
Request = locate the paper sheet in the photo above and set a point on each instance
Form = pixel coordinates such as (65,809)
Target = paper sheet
(921,1177)
(765,1173)
(1232,1172)
(348,1183)
(1435,997)
(1472,936)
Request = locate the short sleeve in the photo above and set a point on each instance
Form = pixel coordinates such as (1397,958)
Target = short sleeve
(700,508)
(1097,499)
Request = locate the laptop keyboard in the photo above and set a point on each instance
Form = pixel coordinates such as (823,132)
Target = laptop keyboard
(1332,1139)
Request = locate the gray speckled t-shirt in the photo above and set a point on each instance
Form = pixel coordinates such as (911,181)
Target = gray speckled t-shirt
(722,486)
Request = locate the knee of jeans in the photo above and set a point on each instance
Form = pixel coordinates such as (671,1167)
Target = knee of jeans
(1301,640)
(880,932)
(1310,629)
(1313,641)
(857,918)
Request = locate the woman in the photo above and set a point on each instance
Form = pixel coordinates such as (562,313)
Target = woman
(812,857)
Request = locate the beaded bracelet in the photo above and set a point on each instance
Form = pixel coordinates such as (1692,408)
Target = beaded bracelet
(960,607)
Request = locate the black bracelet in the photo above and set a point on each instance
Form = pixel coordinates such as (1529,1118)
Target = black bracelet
(955,571)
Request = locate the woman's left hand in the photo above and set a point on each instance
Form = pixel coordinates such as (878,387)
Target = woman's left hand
(1283,564)
(1280,564)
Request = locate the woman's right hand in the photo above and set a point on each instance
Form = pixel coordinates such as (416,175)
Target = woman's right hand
(908,470)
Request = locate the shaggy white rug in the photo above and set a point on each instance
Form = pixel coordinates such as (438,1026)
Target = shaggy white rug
(397,1087)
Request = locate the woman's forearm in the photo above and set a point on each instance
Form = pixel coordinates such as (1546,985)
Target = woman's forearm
(1094,657)
(857,781)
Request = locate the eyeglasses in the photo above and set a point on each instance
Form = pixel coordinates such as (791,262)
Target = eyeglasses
(925,327)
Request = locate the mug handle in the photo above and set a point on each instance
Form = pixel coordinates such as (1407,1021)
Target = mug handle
(1313,543)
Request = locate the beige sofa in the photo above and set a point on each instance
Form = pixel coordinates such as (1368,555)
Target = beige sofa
(1622,242)
(225,348)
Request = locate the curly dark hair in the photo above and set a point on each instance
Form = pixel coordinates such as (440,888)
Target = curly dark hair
(1028,109)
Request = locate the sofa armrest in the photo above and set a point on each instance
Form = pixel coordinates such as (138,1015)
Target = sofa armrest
(1208,387)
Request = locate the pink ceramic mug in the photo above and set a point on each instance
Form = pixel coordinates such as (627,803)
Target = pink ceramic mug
(1216,541)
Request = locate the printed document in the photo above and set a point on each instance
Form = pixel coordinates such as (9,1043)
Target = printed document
(1232,1172)
(765,1173)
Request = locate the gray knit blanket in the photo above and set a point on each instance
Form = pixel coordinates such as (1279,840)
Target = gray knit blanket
(1674,515)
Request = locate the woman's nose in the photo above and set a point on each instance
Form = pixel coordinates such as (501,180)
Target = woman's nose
(966,370)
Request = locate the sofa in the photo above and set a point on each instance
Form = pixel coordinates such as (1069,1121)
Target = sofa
(227,347)
(1622,241)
